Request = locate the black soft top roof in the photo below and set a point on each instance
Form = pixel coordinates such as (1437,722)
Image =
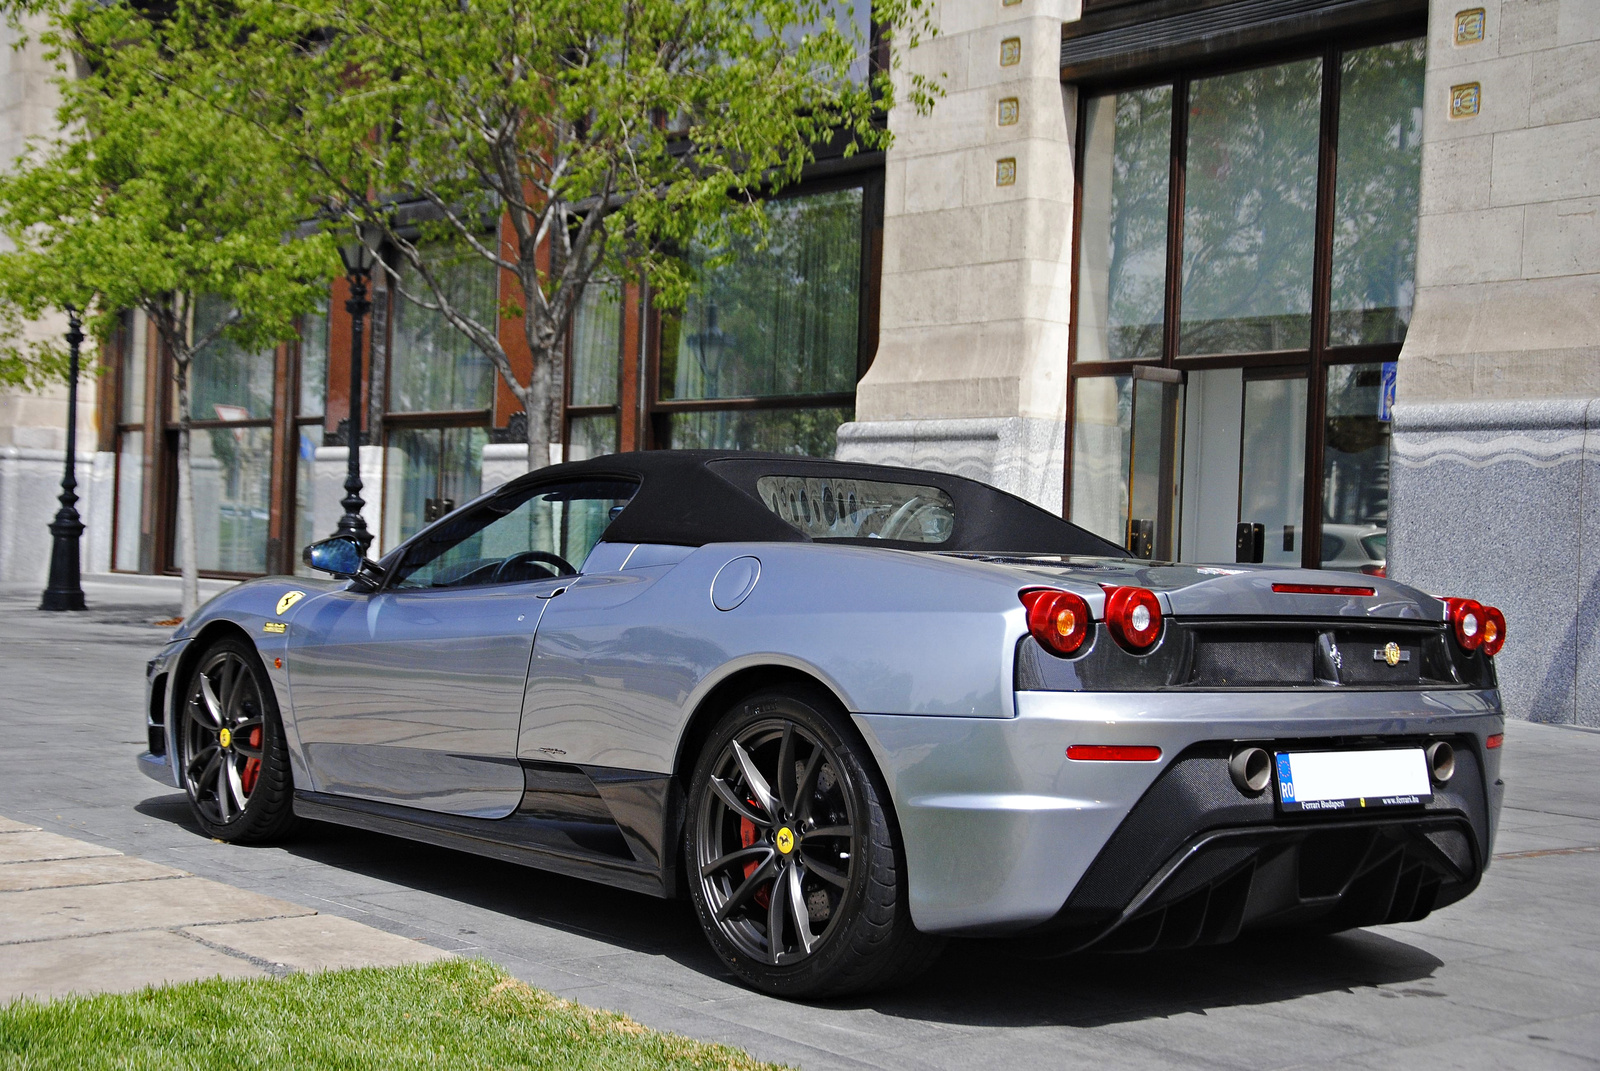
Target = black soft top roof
(694,497)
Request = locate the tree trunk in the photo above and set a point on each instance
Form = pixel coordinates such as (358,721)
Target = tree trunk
(187,533)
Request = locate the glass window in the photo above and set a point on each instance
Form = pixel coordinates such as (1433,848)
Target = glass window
(225,381)
(860,509)
(1122,253)
(591,436)
(432,366)
(1102,450)
(515,538)
(133,369)
(597,345)
(813,432)
(305,494)
(779,319)
(130,500)
(232,470)
(314,363)
(429,472)
(1355,479)
(1377,190)
(1249,217)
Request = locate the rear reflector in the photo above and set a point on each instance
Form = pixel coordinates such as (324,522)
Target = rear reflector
(1113,753)
(1495,740)
(1320,589)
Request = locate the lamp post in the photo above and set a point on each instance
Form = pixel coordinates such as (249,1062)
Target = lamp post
(65,589)
(358,264)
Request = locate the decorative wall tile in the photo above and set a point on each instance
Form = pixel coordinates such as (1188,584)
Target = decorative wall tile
(1011,52)
(1009,109)
(1005,171)
(1465,100)
(1469,26)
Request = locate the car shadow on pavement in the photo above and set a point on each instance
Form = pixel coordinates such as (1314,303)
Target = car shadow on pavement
(975,982)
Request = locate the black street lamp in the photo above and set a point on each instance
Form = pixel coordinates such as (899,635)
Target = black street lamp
(358,265)
(65,590)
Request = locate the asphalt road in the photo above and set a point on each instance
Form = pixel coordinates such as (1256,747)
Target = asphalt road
(1508,978)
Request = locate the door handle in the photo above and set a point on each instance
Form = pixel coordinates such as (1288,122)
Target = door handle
(552,594)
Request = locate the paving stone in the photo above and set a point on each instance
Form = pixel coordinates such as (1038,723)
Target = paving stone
(60,873)
(315,943)
(8,826)
(28,846)
(111,962)
(41,914)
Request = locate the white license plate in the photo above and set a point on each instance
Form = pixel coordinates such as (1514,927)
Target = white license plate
(1352,780)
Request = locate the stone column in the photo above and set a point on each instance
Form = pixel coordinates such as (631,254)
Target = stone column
(971,370)
(1496,475)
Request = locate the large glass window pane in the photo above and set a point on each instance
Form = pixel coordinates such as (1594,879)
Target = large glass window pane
(1272,458)
(429,472)
(812,432)
(1375,206)
(130,500)
(1122,251)
(433,367)
(304,485)
(133,369)
(1102,449)
(1355,475)
(591,436)
(778,319)
(597,345)
(225,381)
(1249,215)
(314,363)
(232,483)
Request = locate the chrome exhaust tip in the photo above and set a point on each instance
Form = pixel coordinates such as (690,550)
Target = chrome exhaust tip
(1251,770)
(1441,761)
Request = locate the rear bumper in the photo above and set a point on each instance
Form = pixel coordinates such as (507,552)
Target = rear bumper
(1004,834)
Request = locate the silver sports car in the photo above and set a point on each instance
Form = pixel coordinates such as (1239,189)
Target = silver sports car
(849,711)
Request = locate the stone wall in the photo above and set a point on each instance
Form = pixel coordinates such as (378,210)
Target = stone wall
(970,373)
(1495,477)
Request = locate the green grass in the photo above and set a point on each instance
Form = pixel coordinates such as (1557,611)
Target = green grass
(456,1013)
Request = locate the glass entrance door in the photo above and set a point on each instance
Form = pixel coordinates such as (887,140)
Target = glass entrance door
(429,472)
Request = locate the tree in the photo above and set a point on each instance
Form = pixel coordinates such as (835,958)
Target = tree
(555,140)
(149,200)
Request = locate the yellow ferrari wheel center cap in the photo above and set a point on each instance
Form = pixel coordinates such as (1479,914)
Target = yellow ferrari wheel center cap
(224,738)
(785,840)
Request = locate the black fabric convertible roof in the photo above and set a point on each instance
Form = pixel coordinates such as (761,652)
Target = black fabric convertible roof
(695,497)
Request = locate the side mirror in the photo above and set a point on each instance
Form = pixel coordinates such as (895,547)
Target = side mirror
(339,556)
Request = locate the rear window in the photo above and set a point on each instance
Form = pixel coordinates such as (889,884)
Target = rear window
(860,509)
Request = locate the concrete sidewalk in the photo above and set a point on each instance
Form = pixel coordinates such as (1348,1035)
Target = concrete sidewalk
(76,917)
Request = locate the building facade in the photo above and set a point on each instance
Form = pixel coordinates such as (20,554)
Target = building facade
(1299,281)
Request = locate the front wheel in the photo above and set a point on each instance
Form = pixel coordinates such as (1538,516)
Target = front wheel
(794,867)
(231,749)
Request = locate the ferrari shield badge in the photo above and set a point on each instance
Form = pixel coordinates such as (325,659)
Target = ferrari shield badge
(288,600)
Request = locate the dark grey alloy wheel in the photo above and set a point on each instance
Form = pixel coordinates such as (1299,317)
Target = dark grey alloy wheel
(794,867)
(231,748)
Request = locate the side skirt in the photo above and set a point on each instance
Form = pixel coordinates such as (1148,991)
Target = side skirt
(540,839)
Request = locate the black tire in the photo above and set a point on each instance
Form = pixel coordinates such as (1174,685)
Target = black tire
(824,832)
(231,749)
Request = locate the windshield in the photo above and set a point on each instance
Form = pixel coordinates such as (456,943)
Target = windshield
(826,508)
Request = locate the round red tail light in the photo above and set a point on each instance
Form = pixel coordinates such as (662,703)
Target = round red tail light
(1466,617)
(1134,617)
(1057,619)
(1494,630)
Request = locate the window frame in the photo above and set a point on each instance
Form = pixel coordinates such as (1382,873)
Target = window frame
(1312,361)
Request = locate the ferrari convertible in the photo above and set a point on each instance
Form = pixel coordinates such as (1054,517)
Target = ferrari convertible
(851,711)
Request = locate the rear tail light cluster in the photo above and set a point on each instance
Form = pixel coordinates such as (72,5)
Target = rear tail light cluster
(1477,627)
(1061,620)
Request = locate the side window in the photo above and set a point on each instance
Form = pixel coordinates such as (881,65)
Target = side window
(533,534)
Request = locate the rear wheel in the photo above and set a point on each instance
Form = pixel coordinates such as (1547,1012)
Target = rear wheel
(794,868)
(231,749)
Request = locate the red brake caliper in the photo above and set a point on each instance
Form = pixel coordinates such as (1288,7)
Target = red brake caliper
(252,767)
(747,837)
